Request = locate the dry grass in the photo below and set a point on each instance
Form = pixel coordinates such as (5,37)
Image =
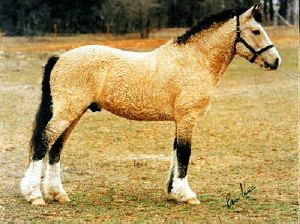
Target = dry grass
(115,169)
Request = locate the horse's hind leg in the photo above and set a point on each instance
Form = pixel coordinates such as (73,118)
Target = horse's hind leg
(31,183)
(58,124)
(52,185)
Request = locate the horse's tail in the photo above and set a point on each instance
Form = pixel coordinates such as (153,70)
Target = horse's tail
(44,113)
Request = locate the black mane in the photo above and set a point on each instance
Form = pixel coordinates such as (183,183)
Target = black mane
(208,22)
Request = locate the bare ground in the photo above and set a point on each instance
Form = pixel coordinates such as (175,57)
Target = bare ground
(115,170)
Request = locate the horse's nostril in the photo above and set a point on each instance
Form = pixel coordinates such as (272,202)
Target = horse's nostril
(266,65)
(275,65)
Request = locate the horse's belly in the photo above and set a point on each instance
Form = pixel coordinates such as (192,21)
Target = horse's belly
(140,115)
(139,107)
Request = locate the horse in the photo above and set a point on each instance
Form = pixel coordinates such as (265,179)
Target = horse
(174,82)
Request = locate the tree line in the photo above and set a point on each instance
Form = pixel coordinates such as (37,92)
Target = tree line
(40,17)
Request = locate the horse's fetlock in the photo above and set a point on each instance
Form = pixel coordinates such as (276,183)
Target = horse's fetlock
(181,190)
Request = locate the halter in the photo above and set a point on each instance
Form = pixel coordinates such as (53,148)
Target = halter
(239,38)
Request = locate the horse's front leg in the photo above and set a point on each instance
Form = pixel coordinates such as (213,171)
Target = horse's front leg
(178,184)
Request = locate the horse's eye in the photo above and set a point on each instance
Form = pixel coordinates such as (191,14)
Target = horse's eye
(256,32)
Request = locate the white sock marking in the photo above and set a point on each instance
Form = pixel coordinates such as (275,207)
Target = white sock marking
(31,182)
(52,183)
(181,189)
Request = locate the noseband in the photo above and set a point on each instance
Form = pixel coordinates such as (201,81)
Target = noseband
(239,38)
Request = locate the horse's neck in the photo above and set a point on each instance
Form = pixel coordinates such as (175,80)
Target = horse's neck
(214,48)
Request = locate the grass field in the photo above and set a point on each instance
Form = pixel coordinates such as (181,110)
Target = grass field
(115,170)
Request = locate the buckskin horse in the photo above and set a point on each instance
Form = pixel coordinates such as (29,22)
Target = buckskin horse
(174,82)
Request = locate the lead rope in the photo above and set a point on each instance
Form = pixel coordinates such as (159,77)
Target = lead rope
(293,76)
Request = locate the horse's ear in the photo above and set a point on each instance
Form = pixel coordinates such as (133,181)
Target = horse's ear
(248,14)
(254,11)
(256,8)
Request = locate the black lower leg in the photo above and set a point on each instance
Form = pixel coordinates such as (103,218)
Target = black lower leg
(183,153)
(170,182)
(39,147)
(55,151)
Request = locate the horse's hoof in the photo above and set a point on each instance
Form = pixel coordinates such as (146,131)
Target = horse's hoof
(62,198)
(57,196)
(193,201)
(38,201)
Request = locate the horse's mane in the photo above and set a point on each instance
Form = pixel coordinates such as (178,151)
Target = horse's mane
(211,20)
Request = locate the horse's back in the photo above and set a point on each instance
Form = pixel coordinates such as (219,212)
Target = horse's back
(103,51)
(96,62)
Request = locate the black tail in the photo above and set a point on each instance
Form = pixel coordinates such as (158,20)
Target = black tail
(38,145)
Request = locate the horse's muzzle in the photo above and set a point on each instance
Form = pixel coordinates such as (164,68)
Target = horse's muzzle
(273,66)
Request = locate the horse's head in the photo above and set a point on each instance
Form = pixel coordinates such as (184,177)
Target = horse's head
(252,41)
